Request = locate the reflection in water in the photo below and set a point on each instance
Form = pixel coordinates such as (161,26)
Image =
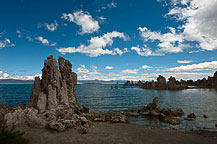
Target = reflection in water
(102,98)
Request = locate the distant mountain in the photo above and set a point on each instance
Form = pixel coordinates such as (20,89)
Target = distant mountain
(15,81)
(101,81)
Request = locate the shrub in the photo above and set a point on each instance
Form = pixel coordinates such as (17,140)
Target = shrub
(8,135)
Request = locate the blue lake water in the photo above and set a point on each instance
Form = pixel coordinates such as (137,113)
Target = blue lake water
(102,98)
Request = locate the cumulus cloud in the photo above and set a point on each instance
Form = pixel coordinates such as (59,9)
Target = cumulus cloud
(120,52)
(82,69)
(200,21)
(5,75)
(144,51)
(129,71)
(109,67)
(196,67)
(198,26)
(97,45)
(184,61)
(45,41)
(84,20)
(169,42)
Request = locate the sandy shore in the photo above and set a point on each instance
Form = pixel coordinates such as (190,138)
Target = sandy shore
(105,133)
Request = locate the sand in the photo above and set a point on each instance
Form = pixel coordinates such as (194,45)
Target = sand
(106,133)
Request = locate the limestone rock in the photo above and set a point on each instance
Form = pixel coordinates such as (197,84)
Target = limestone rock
(165,115)
(190,117)
(53,102)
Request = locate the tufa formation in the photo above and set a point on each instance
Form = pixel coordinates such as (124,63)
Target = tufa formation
(53,102)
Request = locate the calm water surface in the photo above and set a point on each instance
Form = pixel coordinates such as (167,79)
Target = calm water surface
(102,98)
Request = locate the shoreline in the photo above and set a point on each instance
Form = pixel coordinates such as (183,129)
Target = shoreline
(108,133)
(16,83)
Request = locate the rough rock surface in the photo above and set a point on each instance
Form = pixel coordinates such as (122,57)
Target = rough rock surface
(165,115)
(210,82)
(53,102)
(173,84)
(190,117)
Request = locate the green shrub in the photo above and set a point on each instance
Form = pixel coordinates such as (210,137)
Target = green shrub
(10,135)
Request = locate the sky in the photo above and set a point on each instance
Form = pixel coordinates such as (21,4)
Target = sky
(110,39)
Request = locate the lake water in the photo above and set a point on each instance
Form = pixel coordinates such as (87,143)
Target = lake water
(102,98)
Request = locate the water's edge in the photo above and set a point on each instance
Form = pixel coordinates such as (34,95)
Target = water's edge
(102,98)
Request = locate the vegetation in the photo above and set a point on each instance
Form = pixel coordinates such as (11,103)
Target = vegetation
(8,135)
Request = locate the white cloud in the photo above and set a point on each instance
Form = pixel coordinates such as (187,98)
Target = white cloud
(120,52)
(6,42)
(101,19)
(5,75)
(112,5)
(96,45)
(177,75)
(109,5)
(24,34)
(53,44)
(51,27)
(145,51)
(169,42)
(196,67)
(129,71)
(109,67)
(184,61)
(82,69)
(45,41)
(19,33)
(84,20)
(200,21)
(146,67)
(198,25)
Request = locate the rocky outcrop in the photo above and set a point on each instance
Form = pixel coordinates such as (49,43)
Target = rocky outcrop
(165,115)
(162,84)
(115,117)
(53,102)
(173,84)
(210,82)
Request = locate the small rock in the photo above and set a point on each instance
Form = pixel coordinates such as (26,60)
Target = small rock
(56,126)
(83,119)
(82,130)
(190,117)
(132,114)
(205,116)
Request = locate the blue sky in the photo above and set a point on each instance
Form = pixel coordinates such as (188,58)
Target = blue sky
(110,39)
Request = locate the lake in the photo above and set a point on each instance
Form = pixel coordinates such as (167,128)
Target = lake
(103,98)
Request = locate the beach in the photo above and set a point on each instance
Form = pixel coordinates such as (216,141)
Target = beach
(106,133)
